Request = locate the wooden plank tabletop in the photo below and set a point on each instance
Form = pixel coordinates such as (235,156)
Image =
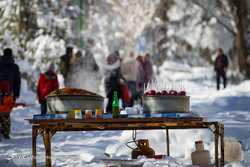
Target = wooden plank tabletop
(115,120)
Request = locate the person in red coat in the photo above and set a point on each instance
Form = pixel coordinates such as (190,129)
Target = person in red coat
(147,66)
(47,83)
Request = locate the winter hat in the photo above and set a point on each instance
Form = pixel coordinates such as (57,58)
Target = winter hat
(111,59)
(5,86)
(50,66)
(7,52)
(78,54)
(88,54)
(68,50)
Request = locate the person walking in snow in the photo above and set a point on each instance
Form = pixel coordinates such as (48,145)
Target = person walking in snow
(47,83)
(140,80)
(9,71)
(10,74)
(129,69)
(112,80)
(148,73)
(220,67)
(65,65)
(6,104)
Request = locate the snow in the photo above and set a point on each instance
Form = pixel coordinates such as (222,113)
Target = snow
(228,106)
(108,29)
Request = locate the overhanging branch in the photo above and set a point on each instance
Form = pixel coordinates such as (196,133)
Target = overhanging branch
(217,18)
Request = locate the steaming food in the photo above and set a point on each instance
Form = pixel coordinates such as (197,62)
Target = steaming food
(66,91)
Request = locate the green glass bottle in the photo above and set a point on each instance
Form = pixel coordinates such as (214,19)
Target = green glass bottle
(115,106)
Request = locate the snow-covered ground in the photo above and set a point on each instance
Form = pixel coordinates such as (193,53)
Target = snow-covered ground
(230,106)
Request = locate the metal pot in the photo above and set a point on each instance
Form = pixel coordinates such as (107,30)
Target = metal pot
(62,103)
(165,104)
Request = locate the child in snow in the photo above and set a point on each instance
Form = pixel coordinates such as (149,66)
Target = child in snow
(47,83)
(6,104)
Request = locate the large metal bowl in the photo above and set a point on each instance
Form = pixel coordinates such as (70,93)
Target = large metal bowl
(62,103)
(165,104)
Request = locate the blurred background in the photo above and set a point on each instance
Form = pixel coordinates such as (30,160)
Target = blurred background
(179,31)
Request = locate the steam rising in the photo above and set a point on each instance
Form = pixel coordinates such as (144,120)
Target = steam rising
(85,79)
(84,73)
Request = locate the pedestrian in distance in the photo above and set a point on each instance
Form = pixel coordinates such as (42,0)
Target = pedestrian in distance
(147,66)
(9,71)
(112,80)
(129,69)
(140,81)
(65,65)
(10,74)
(220,67)
(47,83)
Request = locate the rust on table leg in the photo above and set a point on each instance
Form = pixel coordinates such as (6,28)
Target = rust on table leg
(167,138)
(216,145)
(48,148)
(34,136)
(222,145)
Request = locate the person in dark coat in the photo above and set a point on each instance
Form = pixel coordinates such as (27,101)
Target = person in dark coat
(113,80)
(220,67)
(9,73)
(47,83)
(65,64)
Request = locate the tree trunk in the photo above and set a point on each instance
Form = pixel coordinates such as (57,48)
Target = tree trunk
(160,33)
(21,17)
(241,19)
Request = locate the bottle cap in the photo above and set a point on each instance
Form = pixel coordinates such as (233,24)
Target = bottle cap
(115,91)
(98,109)
(198,142)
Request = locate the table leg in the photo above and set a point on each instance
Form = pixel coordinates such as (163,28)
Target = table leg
(222,145)
(216,145)
(34,137)
(167,138)
(48,148)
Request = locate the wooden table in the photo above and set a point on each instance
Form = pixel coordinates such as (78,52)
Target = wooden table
(49,127)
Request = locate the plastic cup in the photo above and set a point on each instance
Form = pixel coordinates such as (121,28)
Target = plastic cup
(88,114)
(98,113)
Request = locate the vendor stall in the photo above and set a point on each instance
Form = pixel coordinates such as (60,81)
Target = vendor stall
(48,127)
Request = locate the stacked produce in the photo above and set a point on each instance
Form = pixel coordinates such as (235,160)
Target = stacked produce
(154,88)
(70,91)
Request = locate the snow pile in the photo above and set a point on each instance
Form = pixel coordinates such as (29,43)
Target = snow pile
(173,72)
